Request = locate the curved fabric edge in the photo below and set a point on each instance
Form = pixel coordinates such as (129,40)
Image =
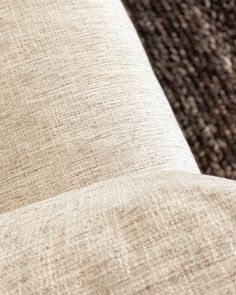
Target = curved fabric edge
(79,101)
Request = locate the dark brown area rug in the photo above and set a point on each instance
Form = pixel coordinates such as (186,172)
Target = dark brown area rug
(192,47)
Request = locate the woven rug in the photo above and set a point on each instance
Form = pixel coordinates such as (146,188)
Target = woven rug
(192,47)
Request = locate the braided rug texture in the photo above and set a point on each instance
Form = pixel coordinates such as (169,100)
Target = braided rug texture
(192,47)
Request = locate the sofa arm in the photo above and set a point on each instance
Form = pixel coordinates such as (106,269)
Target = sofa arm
(79,102)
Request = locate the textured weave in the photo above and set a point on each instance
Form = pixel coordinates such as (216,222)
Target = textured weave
(78,100)
(147,233)
(192,48)
(81,111)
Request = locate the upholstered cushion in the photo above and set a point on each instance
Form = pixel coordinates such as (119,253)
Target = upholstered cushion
(86,129)
(147,233)
(78,100)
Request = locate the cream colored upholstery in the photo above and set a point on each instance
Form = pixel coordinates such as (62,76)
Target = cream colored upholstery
(79,102)
(99,192)
(147,233)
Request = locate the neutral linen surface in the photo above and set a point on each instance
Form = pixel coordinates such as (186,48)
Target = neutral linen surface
(102,192)
(146,233)
(78,100)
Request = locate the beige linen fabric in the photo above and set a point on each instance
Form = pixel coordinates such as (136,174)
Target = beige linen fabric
(78,100)
(147,233)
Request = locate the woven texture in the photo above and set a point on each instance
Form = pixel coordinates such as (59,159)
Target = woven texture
(79,102)
(87,141)
(147,233)
(191,45)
